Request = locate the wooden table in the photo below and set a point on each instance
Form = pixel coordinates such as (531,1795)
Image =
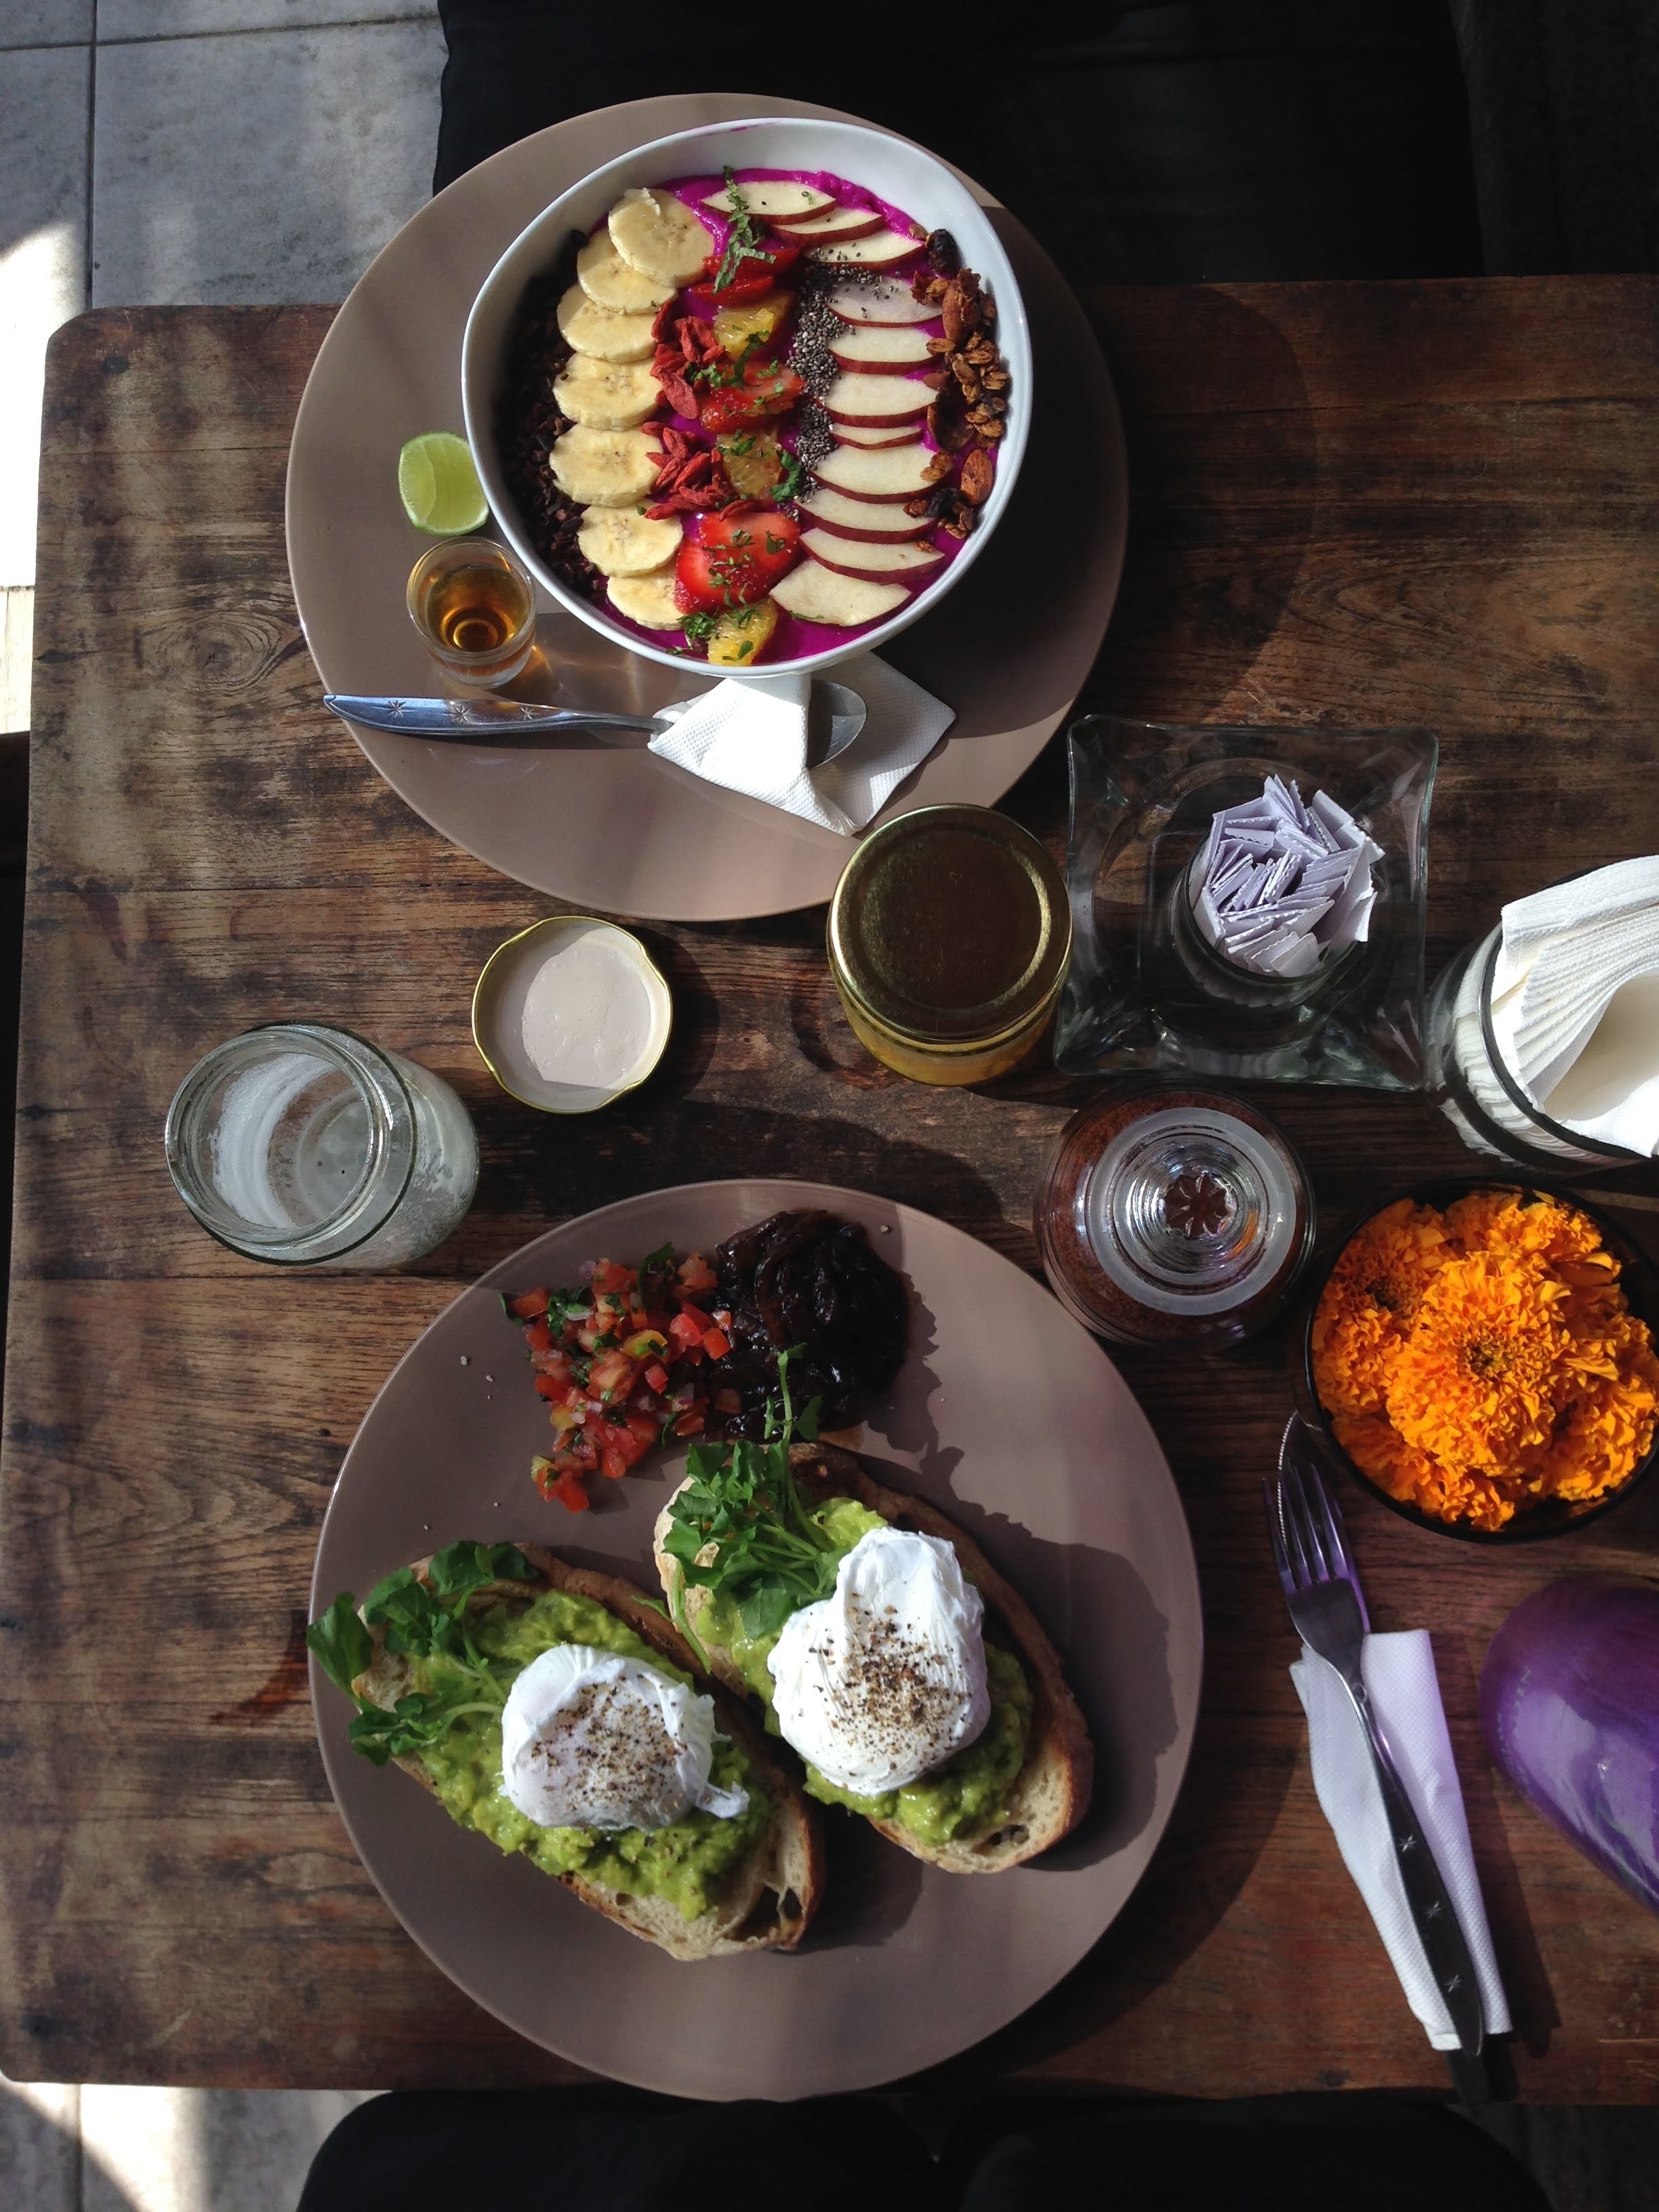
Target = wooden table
(1352,503)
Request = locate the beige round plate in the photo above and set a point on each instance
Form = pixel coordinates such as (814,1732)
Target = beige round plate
(1006,1415)
(615,829)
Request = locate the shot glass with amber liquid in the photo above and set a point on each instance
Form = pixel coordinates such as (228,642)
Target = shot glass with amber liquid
(476,612)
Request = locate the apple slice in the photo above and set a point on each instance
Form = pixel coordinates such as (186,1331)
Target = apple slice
(864,434)
(878,249)
(835,225)
(866,520)
(777,198)
(813,593)
(871,402)
(882,472)
(880,564)
(881,349)
(889,303)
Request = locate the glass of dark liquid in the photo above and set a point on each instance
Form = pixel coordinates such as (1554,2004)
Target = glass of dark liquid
(475,608)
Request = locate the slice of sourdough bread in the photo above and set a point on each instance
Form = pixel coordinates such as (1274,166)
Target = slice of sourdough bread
(1050,1793)
(765,1904)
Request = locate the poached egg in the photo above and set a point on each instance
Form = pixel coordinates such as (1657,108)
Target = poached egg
(879,1683)
(593,1739)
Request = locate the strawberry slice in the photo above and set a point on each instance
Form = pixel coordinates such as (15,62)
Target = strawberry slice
(736,557)
(765,387)
(754,274)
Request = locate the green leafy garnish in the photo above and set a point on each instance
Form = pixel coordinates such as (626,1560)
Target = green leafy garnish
(342,1645)
(742,241)
(428,1622)
(742,1502)
(795,478)
(700,628)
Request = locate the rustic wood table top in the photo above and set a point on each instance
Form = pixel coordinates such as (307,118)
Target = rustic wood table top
(1356,504)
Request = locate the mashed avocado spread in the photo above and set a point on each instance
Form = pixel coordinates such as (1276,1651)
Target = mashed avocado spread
(684,1862)
(969,1792)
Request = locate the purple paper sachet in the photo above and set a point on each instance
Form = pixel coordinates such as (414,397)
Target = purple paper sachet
(1280,881)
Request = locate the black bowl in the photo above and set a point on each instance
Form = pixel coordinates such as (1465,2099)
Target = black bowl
(1553,1517)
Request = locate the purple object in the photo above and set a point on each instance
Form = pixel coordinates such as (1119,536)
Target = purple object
(1570,1710)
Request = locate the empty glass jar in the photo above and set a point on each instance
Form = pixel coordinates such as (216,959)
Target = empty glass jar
(306,1146)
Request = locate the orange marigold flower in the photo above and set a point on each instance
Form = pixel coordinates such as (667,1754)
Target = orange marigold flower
(1379,1449)
(1368,1304)
(1609,1425)
(1515,1221)
(1478,1361)
(1477,1382)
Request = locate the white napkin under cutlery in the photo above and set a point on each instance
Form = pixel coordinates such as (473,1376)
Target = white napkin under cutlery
(1404,1694)
(750,734)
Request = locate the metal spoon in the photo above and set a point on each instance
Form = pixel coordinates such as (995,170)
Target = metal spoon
(834,717)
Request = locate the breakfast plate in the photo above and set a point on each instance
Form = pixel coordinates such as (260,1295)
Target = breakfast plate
(615,830)
(1008,1418)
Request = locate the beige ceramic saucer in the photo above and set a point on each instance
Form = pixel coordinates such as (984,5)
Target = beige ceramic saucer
(1042,1455)
(614,830)
(498,1013)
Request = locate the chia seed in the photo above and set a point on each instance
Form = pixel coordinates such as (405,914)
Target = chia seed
(817,326)
(815,438)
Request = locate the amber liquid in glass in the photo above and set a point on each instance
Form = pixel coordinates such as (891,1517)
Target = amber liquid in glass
(476,609)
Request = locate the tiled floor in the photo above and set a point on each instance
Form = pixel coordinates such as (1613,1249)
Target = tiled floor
(160,2150)
(158,152)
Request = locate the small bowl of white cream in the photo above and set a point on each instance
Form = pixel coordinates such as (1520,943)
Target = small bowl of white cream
(571,1013)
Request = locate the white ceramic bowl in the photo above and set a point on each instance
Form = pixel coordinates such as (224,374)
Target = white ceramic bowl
(895,171)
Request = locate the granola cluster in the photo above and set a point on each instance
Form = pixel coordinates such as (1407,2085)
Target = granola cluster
(970,387)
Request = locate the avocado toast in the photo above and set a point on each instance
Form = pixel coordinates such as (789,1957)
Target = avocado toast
(431,1659)
(1012,1792)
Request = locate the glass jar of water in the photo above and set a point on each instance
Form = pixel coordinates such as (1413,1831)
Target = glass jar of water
(306,1146)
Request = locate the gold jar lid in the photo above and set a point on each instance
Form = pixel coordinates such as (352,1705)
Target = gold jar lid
(949,926)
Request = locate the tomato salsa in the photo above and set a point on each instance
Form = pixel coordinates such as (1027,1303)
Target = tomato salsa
(625,1362)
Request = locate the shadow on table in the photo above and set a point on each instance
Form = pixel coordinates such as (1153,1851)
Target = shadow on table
(528,1178)
(1520,1962)
(1189,624)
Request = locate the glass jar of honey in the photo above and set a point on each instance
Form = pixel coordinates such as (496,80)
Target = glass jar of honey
(949,935)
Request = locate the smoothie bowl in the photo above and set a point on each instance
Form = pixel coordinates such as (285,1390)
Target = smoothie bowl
(753,395)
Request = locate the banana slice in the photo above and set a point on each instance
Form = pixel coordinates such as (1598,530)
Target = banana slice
(599,330)
(610,282)
(604,468)
(622,542)
(609,395)
(660,236)
(648,599)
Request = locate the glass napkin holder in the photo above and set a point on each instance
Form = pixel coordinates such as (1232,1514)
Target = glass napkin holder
(1147,990)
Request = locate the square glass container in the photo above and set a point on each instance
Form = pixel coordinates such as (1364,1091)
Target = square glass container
(1145,990)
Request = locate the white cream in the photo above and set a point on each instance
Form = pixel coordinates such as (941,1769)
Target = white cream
(593,1739)
(588,1017)
(880,1683)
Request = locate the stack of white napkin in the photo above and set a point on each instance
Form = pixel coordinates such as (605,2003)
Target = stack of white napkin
(1405,1695)
(750,734)
(1575,1002)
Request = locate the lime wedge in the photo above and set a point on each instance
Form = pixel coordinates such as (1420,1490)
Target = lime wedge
(439,485)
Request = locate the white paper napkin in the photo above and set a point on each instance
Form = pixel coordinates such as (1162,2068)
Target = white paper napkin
(750,734)
(1572,998)
(1399,1672)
